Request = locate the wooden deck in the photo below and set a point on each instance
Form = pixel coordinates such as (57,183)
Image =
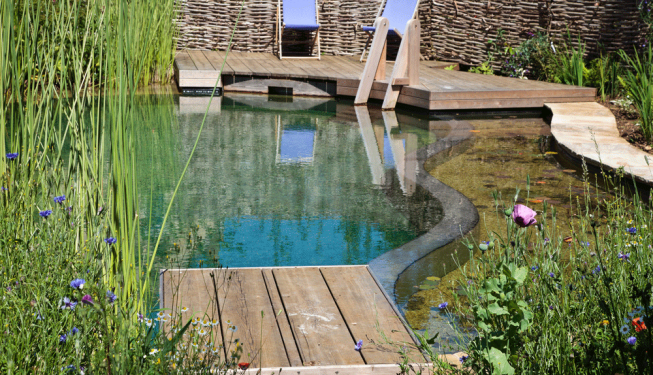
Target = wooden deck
(439,89)
(300,318)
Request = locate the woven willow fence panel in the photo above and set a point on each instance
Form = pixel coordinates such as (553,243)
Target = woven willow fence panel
(454,30)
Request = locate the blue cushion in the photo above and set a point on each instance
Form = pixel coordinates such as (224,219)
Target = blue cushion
(372,29)
(302,27)
(300,14)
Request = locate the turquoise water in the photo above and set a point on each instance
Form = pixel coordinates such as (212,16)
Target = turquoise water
(301,184)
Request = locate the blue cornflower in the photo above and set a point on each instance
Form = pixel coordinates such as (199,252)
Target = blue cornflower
(68,304)
(62,339)
(111,297)
(597,270)
(585,243)
(358,346)
(2,188)
(551,307)
(443,305)
(623,256)
(45,214)
(12,156)
(74,331)
(77,283)
(59,199)
(110,240)
(462,359)
(632,230)
(69,368)
(632,340)
(535,268)
(552,274)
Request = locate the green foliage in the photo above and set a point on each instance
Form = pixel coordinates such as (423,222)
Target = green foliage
(501,318)
(604,74)
(450,67)
(572,64)
(639,84)
(485,68)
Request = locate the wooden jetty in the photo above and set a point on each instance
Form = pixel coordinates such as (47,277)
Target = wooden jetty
(300,320)
(438,89)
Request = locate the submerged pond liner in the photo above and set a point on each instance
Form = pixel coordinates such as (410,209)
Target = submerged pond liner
(460,214)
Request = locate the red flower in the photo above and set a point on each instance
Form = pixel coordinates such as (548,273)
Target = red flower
(639,324)
(243,365)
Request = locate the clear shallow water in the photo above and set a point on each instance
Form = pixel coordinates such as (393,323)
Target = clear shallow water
(303,184)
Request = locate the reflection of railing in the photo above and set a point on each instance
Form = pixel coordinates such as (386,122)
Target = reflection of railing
(401,144)
(295,144)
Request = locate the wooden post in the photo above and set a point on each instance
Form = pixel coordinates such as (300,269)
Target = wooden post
(406,69)
(373,60)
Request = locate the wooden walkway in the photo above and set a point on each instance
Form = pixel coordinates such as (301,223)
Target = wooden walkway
(295,317)
(439,89)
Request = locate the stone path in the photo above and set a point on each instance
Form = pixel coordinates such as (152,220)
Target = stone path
(589,130)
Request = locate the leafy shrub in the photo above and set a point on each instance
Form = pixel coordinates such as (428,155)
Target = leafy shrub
(639,83)
(484,68)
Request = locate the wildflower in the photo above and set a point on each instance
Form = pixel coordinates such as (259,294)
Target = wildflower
(624,329)
(535,268)
(87,299)
(233,328)
(214,322)
(605,322)
(74,331)
(202,332)
(69,368)
(632,340)
(358,346)
(215,350)
(243,365)
(62,339)
(206,322)
(77,284)
(632,230)
(160,314)
(68,304)
(638,309)
(45,214)
(623,256)
(585,243)
(140,317)
(443,305)
(639,324)
(153,351)
(463,358)
(148,322)
(110,240)
(12,156)
(523,216)
(551,307)
(111,297)
(184,309)
(59,199)
(551,274)
(196,321)
(596,270)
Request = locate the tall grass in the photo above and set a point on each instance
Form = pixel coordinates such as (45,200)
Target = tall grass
(638,81)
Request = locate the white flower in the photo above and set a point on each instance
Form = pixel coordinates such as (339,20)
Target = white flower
(206,322)
(160,314)
(148,322)
(153,351)
(214,322)
(215,350)
(203,332)
(624,329)
(184,309)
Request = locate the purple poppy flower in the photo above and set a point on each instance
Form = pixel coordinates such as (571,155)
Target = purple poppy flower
(77,284)
(358,346)
(523,216)
(68,304)
(45,214)
(87,299)
(111,297)
(443,305)
(12,156)
(59,199)
(110,240)
(632,340)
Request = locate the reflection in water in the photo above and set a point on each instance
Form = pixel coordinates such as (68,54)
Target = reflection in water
(298,185)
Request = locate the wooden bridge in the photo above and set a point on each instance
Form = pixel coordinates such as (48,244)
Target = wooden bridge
(438,89)
(300,320)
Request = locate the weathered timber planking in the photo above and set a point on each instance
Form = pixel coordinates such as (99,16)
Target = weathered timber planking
(237,65)
(244,300)
(184,61)
(217,58)
(201,62)
(320,332)
(282,319)
(363,305)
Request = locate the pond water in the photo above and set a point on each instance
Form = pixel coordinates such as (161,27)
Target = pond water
(281,181)
(301,184)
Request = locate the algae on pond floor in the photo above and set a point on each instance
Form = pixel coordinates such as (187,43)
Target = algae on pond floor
(504,153)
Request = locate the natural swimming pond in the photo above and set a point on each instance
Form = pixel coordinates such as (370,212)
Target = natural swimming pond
(282,182)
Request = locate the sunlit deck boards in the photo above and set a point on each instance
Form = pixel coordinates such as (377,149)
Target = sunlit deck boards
(439,89)
(295,316)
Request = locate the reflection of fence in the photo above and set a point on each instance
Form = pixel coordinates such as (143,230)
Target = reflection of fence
(456,30)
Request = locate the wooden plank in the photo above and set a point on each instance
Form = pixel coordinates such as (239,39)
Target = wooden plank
(253,62)
(385,369)
(184,61)
(192,290)
(201,62)
(320,331)
(499,103)
(217,58)
(289,343)
(372,69)
(237,65)
(364,307)
(245,302)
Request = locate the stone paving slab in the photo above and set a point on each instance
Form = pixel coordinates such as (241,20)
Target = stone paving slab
(589,131)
